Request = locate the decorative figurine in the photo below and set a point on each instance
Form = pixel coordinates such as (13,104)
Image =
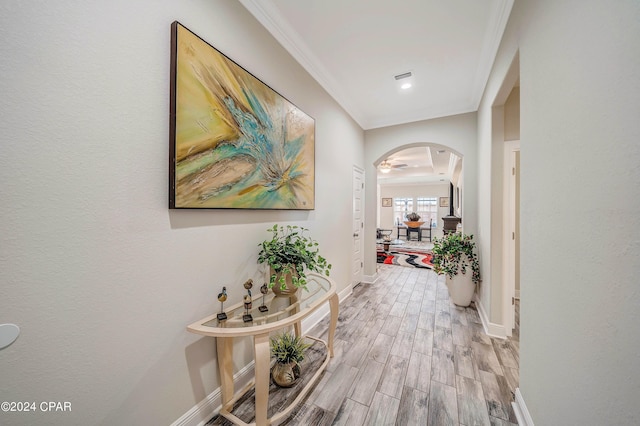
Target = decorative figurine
(247,301)
(222,297)
(248,284)
(264,290)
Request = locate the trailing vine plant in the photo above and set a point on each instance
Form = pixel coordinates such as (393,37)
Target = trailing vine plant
(291,251)
(456,253)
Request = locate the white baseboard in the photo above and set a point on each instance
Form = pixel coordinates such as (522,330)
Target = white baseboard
(203,411)
(490,328)
(521,411)
(309,322)
(344,294)
(370,279)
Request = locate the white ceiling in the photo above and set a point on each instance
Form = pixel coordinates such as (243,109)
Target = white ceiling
(425,164)
(354,48)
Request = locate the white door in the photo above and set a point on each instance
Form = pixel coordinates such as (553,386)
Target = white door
(357,225)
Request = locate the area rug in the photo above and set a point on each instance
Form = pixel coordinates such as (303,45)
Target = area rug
(416,260)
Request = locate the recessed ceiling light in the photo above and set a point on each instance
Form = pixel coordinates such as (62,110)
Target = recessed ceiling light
(441,151)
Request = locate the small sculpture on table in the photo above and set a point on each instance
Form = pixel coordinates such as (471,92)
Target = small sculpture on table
(264,290)
(247,301)
(222,296)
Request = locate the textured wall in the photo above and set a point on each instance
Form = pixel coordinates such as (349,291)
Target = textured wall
(101,277)
(579,90)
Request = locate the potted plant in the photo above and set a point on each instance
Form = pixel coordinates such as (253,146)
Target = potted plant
(289,253)
(454,255)
(413,220)
(288,350)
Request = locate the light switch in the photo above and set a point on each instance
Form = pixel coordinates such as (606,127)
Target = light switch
(8,334)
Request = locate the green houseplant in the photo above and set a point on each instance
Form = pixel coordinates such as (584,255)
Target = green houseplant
(413,217)
(289,252)
(288,350)
(454,255)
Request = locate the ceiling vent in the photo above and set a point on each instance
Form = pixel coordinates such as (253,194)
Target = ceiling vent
(401,76)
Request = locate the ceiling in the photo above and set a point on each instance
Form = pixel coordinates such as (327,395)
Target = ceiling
(355,48)
(424,164)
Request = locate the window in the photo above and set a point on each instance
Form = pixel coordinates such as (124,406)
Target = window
(427,208)
(401,207)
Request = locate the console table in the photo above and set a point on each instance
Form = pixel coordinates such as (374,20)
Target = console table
(282,313)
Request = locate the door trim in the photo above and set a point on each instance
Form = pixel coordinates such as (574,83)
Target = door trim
(508,227)
(360,172)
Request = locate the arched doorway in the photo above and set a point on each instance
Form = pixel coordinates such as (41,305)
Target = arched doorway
(425,178)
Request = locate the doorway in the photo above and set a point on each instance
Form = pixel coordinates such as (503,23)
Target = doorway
(418,178)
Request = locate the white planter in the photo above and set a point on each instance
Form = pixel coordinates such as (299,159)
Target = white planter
(461,288)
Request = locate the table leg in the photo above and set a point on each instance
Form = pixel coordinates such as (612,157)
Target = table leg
(225,364)
(297,327)
(261,354)
(333,305)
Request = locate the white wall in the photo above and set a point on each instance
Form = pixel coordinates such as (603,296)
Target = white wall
(579,90)
(456,132)
(512,115)
(101,277)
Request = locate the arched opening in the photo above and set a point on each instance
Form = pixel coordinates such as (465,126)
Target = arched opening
(423,178)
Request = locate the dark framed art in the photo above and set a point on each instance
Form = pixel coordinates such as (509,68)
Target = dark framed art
(235,143)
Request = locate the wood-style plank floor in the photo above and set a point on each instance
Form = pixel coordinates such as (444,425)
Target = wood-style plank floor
(406,355)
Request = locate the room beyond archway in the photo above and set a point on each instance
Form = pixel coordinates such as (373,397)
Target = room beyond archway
(425,178)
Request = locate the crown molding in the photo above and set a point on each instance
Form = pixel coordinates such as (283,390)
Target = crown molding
(268,14)
(490,46)
(270,17)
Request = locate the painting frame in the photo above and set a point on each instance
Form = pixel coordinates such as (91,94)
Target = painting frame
(444,202)
(234,142)
(387,202)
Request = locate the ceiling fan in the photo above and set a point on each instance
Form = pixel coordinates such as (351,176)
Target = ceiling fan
(386,166)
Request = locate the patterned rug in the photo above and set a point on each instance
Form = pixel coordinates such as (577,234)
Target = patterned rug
(406,258)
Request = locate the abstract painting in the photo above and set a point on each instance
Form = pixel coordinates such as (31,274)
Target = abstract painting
(235,143)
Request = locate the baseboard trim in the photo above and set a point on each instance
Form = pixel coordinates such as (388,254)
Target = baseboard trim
(203,411)
(309,322)
(521,411)
(490,328)
(370,279)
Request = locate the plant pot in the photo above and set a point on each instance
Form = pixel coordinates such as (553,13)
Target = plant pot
(413,224)
(461,288)
(289,290)
(285,375)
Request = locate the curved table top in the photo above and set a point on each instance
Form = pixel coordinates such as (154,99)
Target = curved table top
(282,311)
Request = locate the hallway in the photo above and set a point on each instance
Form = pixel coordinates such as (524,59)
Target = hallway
(406,355)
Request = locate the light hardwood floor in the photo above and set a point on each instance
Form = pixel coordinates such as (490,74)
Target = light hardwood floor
(405,355)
